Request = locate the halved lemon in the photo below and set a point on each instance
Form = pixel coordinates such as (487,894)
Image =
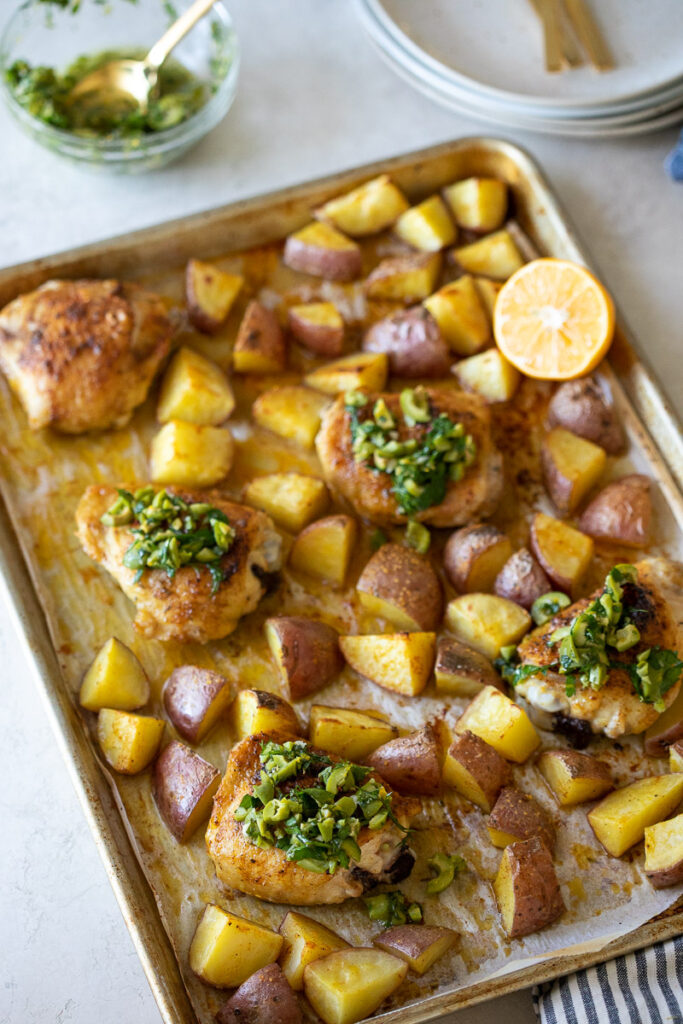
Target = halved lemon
(553,320)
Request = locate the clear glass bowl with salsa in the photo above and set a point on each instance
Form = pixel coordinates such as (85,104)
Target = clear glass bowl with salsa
(49,45)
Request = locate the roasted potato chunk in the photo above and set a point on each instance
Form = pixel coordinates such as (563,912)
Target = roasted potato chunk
(260,346)
(401,662)
(115,679)
(184,785)
(461,671)
(664,852)
(474,555)
(574,777)
(352,734)
(488,293)
(406,278)
(324,548)
(427,226)
(306,652)
(194,390)
(521,579)
(486,622)
(318,326)
(460,316)
(490,375)
(581,406)
(619,821)
(292,412)
(501,723)
(190,455)
(227,949)
(666,729)
(399,585)
(571,467)
(563,552)
(195,698)
(256,711)
(526,888)
(475,770)
(495,256)
(349,985)
(366,370)
(306,940)
(211,294)
(621,512)
(264,998)
(291,499)
(478,204)
(365,210)
(412,341)
(676,757)
(129,742)
(321,250)
(418,944)
(517,816)
(410,764)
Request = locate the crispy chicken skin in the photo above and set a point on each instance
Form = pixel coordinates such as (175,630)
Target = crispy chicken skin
(655,605)
(472,498)
(81,355)
(184,608)
(267,873)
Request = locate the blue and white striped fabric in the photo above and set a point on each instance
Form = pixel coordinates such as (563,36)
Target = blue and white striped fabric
(645,987)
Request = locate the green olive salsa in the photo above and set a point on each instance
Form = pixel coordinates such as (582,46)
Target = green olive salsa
(170,533)
(44,93)
(391,908)
(312,807)
(588,646)
(420,467)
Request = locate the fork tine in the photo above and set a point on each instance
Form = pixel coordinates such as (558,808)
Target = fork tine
(589,35)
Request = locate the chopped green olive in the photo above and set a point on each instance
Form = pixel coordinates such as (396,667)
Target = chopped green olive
(446,867)
(418,537)
(391,908)
(547,605)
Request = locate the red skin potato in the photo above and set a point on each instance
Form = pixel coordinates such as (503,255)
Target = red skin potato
(258,323)
(410,764)
(188,693)
(265,998)
(522,579)
(323,339)
(413,342)
(620,512)
(181,778)
(332,264)
(309,653)
(580,406)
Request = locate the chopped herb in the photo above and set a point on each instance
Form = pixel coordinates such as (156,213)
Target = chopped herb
(170,533)
(418,537)
(514,673)
(655,671)
(390,908)
(420,467)
(445,867)
(316,824)
(547,605)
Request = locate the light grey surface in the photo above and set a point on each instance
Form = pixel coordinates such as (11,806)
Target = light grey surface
(313,99)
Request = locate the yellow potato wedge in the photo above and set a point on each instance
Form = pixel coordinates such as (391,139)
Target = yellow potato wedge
(563,552)
(401,662)
(115,679)
(352,734)
(366,370)
(490,375)
(365,210)
(501,723)
(404,278)
(418,944)
(571,467)
(461,317)
(292,412)
(324,548)
(318,326)
(461,671)
(190,455)
(619,821)
(211,294)
(664,852)
(194,390)
(526,888)
(574,777)
(349,985)
(478,204)
(400,585)
(305,940)
(427,226)
(475,770)
(227,949)
(488,293)
(260,346)
(291,499)
(494,256)
(255,711)
(129,742)
(487,622)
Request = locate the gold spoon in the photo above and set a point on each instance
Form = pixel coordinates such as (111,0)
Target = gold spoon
(137,79)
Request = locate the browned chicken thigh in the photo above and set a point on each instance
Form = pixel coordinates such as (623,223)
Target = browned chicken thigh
(81,355)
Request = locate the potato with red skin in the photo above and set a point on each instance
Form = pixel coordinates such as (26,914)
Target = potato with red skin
(574,777)
(516,816)
(521,579)
(621,512)
(526,888)
(260,345)
(318,326)
(581,406)
(418,944)
(664,852)
(195,698)
(461,671)
(667,729)
(571,467)
(184,785)
(413,343)
(306,651)
(474,555)
(400,585)
(264,998)
(321,250)
(475,770)
(410,764)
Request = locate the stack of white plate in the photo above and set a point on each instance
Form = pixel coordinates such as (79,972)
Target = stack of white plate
(484,59)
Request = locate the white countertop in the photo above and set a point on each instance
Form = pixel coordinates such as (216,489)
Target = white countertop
(313,98)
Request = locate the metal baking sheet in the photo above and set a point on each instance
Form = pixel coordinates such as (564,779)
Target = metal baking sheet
(239,226)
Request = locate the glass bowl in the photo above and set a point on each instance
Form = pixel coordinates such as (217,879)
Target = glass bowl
(47,33)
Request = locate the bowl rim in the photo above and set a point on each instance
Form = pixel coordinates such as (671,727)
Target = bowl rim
(131,147)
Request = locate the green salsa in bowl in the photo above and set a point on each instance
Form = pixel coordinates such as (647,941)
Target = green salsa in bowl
(48,46)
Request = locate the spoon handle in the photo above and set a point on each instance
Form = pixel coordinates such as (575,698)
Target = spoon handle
(178,30)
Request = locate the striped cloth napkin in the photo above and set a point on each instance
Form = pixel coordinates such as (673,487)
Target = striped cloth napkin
(674,161)
(645,987)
